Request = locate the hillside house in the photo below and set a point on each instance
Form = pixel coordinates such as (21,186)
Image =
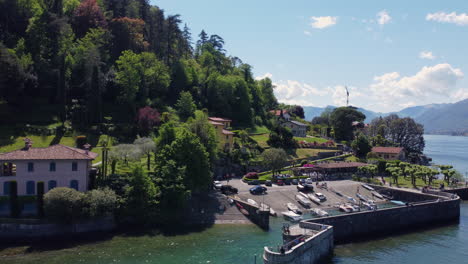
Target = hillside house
(281,114)
(389,153)
(225,136)
(56,166)
(297,128)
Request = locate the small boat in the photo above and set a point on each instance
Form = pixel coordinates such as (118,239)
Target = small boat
(300,187)
(293,208)
(353,208)
(303,201)
(321,197)
(230,201)
(388,197)
(319,212)
(273,212)
(378,195)
(397,202)
(370,206)
(314,198)
(242,209)
(252,202)
(361,197)
(304,195)
(368,187)
(351,199)
(291,216)
(345,208)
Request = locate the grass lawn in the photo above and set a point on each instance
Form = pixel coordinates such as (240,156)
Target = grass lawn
(302,153)
(402,182)
(256,130)
(261,140)
(311,139)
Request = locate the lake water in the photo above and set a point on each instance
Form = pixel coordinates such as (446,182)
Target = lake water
(227,244)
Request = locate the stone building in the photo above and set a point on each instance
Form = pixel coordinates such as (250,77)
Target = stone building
(225,136)
(389,153)
(297,128)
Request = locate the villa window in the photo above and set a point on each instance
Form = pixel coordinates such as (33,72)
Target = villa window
(74,184)
(30,167)
(74,166)
(52,184)
(30,188)
(6,188)
(52,166)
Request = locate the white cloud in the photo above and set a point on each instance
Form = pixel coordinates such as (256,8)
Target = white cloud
(266,75)
(436,81)
(295,92)
(383,17)
(426,55)
(454,18)
(306,32)
(460,94)
(323,21)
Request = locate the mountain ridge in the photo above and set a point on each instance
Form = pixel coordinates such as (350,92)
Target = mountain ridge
(447,118)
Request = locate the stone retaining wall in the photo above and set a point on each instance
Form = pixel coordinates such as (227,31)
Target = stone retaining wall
(418,213)
(312,250)
(461,192)
(257,216)
(32,228)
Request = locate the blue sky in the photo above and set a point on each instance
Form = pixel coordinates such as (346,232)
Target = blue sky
(390,54)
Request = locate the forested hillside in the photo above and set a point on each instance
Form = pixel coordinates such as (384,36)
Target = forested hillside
(87,62)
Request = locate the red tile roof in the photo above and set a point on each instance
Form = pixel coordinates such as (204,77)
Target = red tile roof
(278,112)
(219,119)
(216,123)
(54,152)
(389,150)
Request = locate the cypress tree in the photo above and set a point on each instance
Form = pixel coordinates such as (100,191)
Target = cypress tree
(14,203)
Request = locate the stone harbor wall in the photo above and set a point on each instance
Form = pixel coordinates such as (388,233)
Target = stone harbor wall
(33,228)
(461,192)
(313,250)
(257,216)
(417,213)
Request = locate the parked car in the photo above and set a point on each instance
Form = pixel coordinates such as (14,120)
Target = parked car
(268,183)
(258,190)
(280,183)
(287,181)
(228,189)
(295,182)
(254,182)
(309,180)
(302,181)
(251,175)
(217,185)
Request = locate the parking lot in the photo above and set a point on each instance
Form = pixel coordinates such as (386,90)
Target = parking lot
(278,196)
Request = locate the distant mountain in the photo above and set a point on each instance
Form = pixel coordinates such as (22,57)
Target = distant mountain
(436,118)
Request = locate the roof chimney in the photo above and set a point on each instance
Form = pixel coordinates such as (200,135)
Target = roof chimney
(27,143)
(86,148)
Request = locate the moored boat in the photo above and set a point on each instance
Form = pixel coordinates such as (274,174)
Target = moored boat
(344,208)
(291,216)
(319,212)
(368,187)
(314,198)
(303,201)
(361,197)
(252,202)
(378,195)
(292,207)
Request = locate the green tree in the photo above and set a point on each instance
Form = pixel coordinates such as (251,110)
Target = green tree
(185,105)
(341,120)
(142,198)
(274,159)
(361,145)
(206,133)
(100,202)
(147,146)
(281,137)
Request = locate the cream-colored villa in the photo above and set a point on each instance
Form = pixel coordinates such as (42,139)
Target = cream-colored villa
(56,166)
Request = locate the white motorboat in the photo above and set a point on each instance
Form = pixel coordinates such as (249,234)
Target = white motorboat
(304,195)
(319,212)
(368,187)
(273,212)
(361,197)
(345,208)
(303,201)
(314,198)
(351,199)
(291,216)
(293,208)
(252,202)
(370,206)
(378,195)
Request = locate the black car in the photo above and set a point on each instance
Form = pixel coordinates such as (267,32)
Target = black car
(268,183)
(254,182)
(287,181)
(258,190)
(228,189)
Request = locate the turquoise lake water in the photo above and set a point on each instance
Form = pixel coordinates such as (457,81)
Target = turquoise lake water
(240,243)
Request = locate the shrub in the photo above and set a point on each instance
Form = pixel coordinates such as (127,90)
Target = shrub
(100,202)
(63,204)
(80,141)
